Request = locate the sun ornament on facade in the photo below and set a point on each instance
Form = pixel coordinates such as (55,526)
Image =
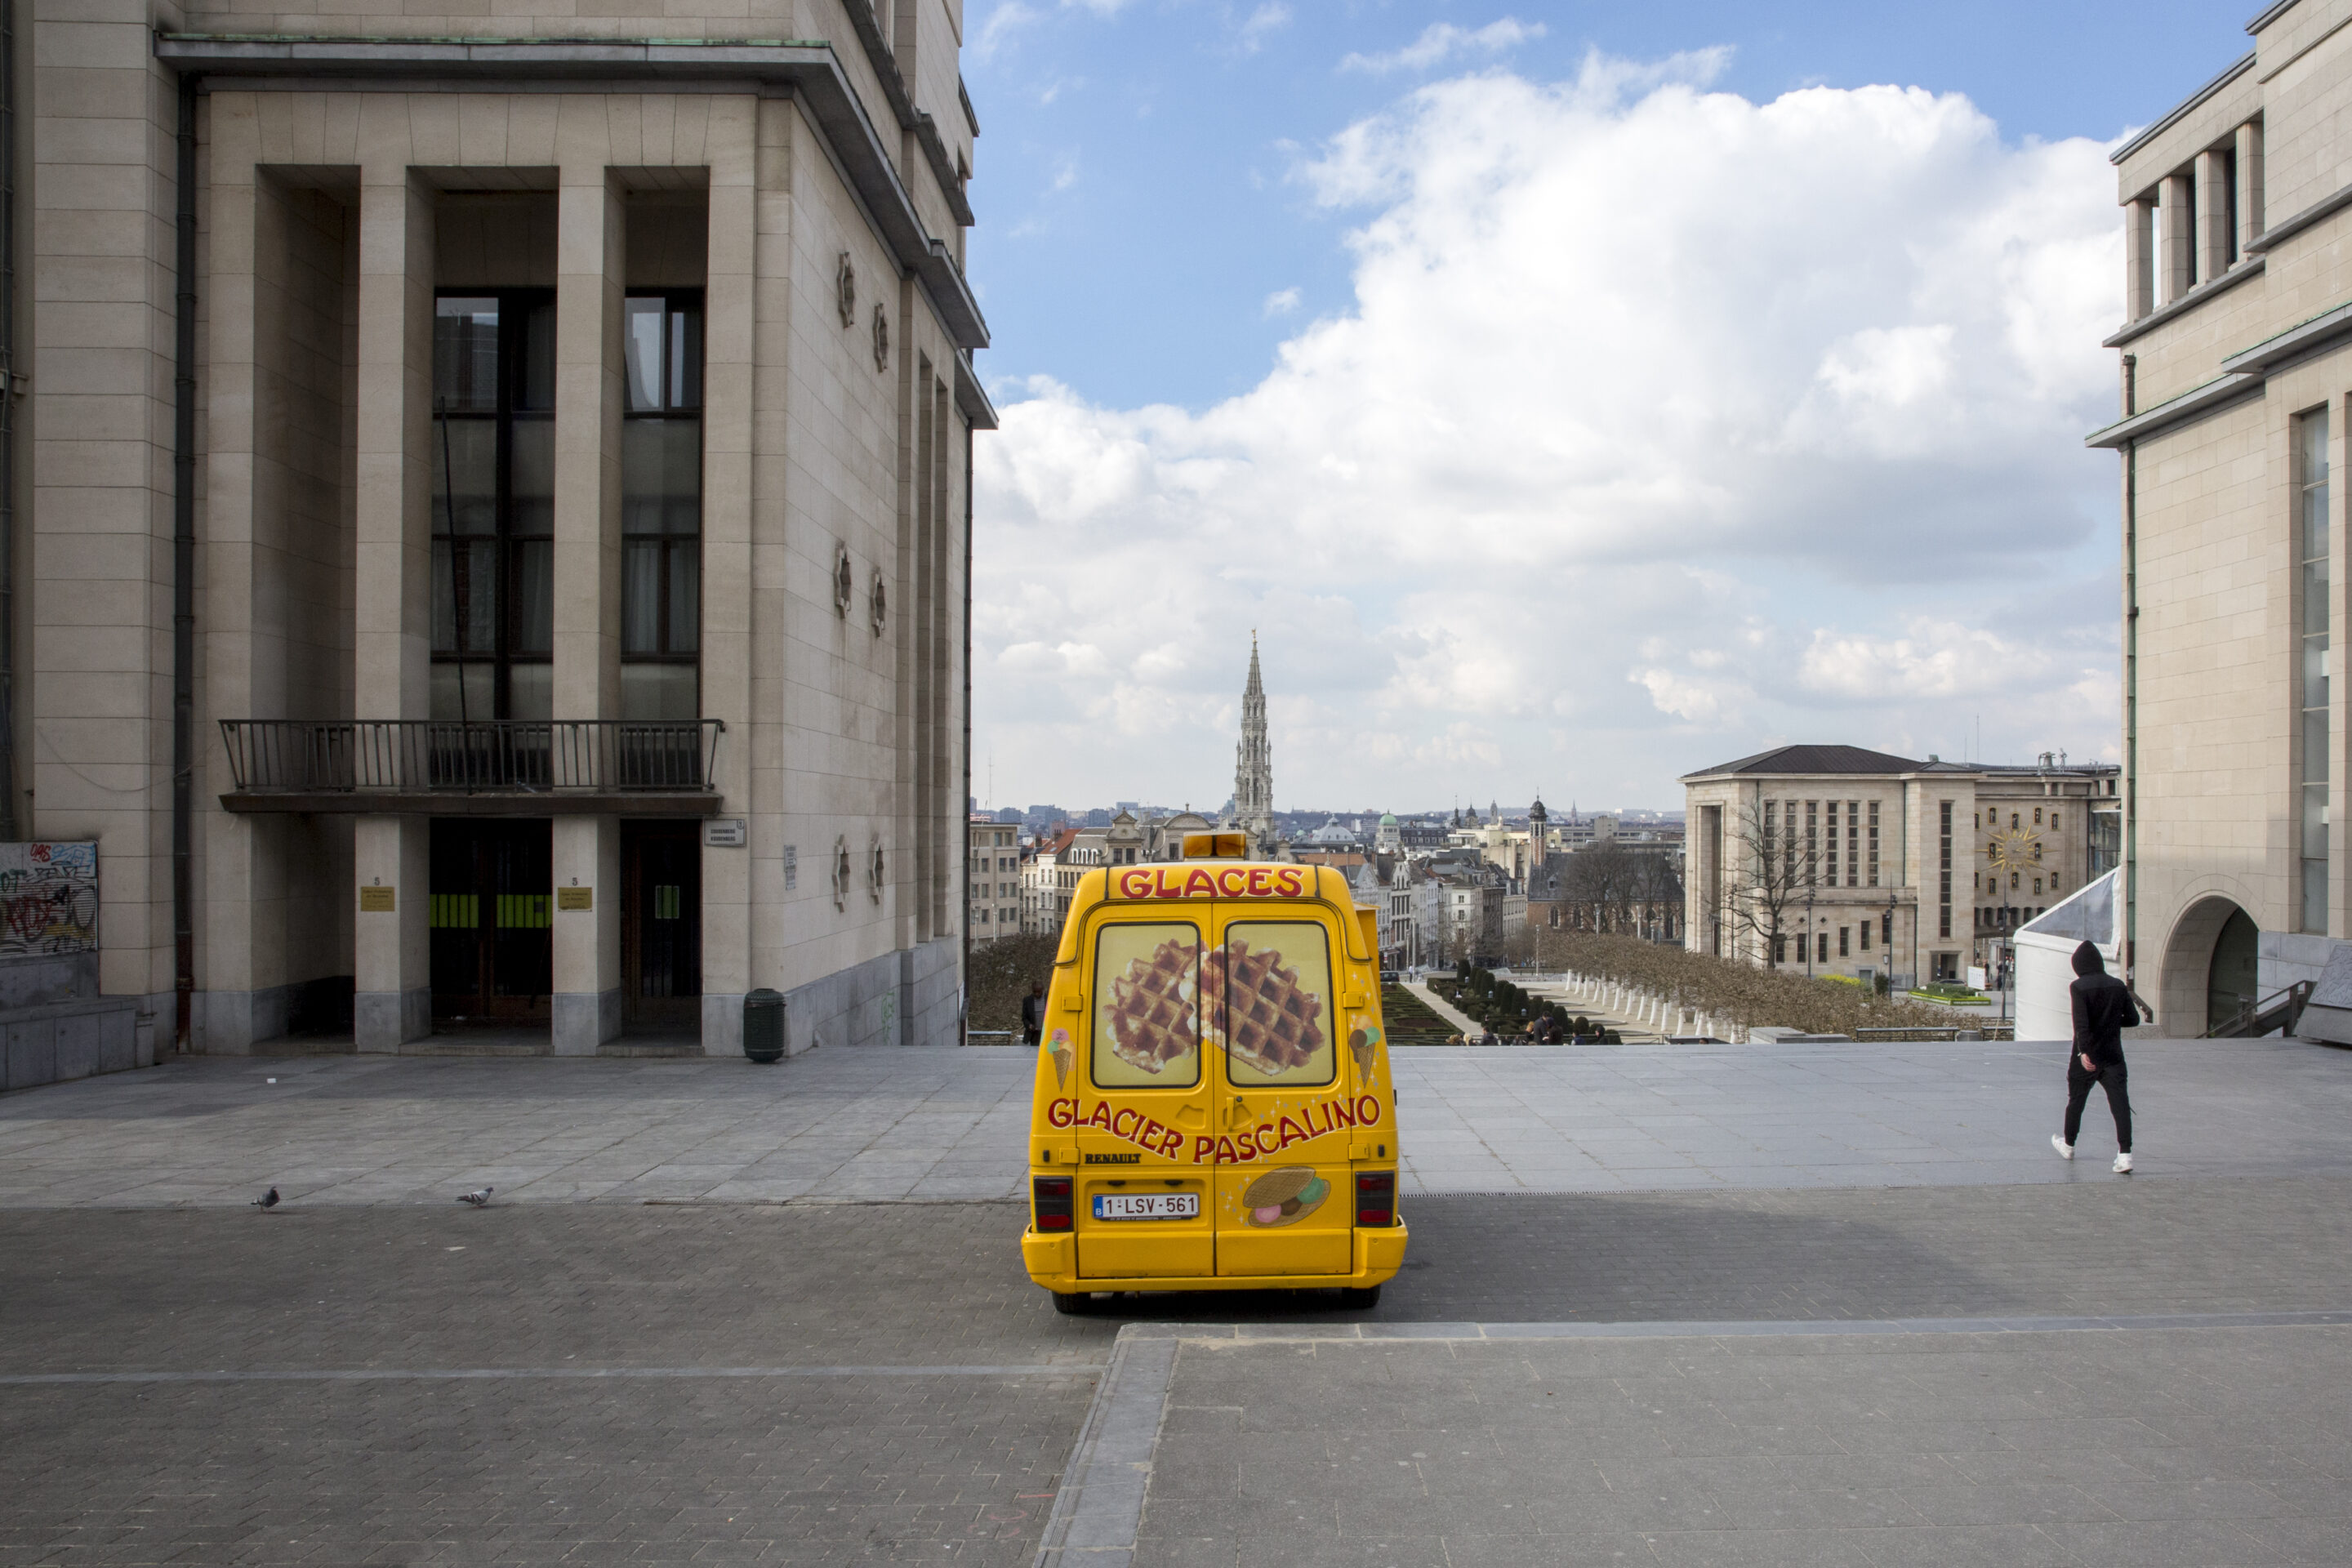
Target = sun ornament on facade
(2016,851)
(844,291)
(845,581)
(881,338)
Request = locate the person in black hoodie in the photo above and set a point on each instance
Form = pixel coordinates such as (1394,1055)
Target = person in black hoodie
(2103,1010)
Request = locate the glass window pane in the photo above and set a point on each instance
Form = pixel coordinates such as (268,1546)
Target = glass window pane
(661,475)
(1147,1013)
(641,596)
(530,691)
(663,691)
(2315,672)
(2314,598)
(685,597)
(530,477)
(686,357)
(480,696)
(537,385)
(1270,1004)
(465,476)
(476,595)
(641,346)
(465,354)
(533,630)
(444,600)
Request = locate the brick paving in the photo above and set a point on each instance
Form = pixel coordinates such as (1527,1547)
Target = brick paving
(942,1124)
(913,1459)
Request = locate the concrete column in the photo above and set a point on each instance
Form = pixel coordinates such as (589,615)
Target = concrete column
(392,979)
(591,276)
(747,304)
(2216,217)
(2179,262)
(586,854)
(391,974)
(239,956)
(2248,214)
(2139,259)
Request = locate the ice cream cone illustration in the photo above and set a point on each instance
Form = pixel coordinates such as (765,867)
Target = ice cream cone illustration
(1060,1052)
(1361,1043)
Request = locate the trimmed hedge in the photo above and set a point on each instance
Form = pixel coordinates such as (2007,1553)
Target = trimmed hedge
(1733,993)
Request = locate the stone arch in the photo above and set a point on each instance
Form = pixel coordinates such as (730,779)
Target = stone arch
(2186,994)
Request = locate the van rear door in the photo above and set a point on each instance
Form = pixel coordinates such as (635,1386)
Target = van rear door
(1282,1202)
(1142,1089)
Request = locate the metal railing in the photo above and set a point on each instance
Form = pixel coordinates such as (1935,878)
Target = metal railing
(279,756)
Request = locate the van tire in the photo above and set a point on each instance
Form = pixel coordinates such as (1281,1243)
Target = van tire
(1362,1300)
(1074,1303)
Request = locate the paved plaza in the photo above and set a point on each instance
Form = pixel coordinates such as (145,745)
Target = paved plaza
(947,1124)
(1745,1306)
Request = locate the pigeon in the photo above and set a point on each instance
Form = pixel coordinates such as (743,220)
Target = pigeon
(478,1199)
(267,1199)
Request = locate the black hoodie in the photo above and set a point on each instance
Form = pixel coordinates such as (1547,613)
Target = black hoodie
(2103,1009)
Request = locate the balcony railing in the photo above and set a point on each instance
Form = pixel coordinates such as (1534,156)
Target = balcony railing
(520,756)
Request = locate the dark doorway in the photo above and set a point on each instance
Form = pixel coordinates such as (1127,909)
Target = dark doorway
(2229,983)
(492,954)
(661,927)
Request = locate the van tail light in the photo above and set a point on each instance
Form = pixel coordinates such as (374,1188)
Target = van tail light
(1050,1194)
(1376,1197)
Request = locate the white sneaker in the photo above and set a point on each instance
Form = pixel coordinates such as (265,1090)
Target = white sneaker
(2122,1164)
(2058,1141)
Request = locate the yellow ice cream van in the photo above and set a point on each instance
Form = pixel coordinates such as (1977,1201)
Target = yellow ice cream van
(1212,1107)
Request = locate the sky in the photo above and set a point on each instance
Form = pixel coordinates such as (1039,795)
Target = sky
(1568,397)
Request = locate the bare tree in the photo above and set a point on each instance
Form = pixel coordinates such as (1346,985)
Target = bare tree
(1769,875)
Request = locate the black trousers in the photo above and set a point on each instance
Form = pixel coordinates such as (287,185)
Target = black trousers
(2078,1090)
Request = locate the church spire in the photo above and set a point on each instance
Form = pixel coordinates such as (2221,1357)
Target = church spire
(1253,759)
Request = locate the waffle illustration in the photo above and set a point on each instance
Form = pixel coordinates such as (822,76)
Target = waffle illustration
(1152,1007)
(1270,1023)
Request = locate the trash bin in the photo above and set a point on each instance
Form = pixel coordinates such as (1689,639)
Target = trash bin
(763,1025)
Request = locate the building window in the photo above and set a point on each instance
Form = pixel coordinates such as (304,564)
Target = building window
(1944,891)
(2311,447)
(1821,947)
(1842,941)
(2053,822)
(494,506)
(661,507)
(1812,842)
(1852,842)
(1863,932)
(1873,843)
(1887,933)
(1832,863)
(2037,817)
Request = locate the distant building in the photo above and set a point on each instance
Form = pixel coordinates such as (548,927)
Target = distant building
(994,859)
(1890,865)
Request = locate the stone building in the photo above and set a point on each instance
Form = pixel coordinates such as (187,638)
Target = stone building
(1887,866)
(1254,763)
(528,454)
(2236,360)
(992,866)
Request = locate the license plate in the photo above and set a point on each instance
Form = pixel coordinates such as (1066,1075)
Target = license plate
(1147,1206)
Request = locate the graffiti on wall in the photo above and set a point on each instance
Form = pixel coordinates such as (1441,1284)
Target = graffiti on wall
(48,898)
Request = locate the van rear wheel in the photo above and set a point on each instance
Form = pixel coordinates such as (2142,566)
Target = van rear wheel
(1361,1301)
(1073,1303)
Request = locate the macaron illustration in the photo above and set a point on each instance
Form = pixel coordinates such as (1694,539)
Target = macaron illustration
(1284,1196)
(1058,1049)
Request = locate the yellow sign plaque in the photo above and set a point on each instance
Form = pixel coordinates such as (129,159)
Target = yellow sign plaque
(575,897)
(376,901)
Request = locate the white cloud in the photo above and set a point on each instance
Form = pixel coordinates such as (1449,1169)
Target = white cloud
(1281,302)
(1440,41)
(1268,16)
(1675,423)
